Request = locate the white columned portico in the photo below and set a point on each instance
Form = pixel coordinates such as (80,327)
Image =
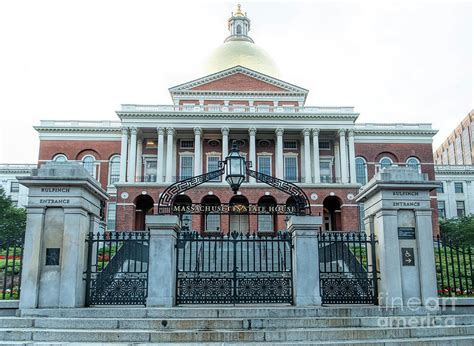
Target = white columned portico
(197,151)
(132,157)
(352,165)
(160,153)
(123,155)
(225,142)
(343,154)
(317,173)
(279,152)
(307,156)
(169,154)
(253,155)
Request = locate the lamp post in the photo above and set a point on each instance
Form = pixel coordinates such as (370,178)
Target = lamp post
(235,168)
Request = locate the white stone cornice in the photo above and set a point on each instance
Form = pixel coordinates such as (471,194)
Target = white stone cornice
(252,131)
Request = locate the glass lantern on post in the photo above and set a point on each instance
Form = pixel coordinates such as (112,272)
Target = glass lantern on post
(235,168)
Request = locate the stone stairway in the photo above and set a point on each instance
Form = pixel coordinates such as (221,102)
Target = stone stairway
(249,325)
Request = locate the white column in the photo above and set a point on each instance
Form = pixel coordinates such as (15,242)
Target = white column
(279,152)
(169,154)
(159,157)
(337,162)
(225,142)
(123,155)
(307,156)
(197,151)
(139,164)
(343,152)
(317,173)
(253,154)
(352,166)
(132,155)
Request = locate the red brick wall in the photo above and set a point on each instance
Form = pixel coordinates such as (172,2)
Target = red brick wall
(238,82)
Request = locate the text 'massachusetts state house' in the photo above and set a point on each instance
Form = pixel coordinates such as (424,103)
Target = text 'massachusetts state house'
(242,101)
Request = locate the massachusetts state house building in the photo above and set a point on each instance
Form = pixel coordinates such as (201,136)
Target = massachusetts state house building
(324,150)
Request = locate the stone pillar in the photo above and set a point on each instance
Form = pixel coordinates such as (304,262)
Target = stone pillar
(160,154)
(253,154)
(317,173)
(123,155)
(337,163)
(352,163)
(397,206)
(169,154)
(132,155)
(197,151)
(279,152)
(64,204)
(162,264)
(343,154)
(225,142)
(307,156)
(139,164)
(305,259)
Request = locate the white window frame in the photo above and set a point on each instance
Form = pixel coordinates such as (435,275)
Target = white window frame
(365,169)
(462,187)
(216,155)
(324,141)
(186,140)
(292,141)
(147,159)
(181,156)
(284,166)
(383,158)
(16,183)
(114,214)
(417,161)
(331,164)
(94,168)
(269,155)
(110,168)
(56,157)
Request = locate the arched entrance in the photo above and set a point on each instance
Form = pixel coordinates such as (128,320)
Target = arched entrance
(143,206)
(332,213)
(239,216)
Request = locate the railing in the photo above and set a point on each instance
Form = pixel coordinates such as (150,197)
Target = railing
(11,261)
(454,263)
(236,109)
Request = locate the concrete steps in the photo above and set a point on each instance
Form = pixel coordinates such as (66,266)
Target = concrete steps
(249,325)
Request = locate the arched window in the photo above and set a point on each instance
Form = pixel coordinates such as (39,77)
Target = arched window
(211,219)
(60,158)
(239,214)
(266,217)
(88,162)
(114,169)
(385,162)
(361,170)
(414,163)
(239,30)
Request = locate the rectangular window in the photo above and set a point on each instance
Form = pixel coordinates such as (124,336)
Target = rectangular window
(186,167)
(440,188)
(325,145)
(441,209)
(290,145)
(111,216)
(213,165)
(213,223)
(150,171)
(265,164)
(186,144)
(325,171)
(458,188)
(291,168)
(265,222)
(461,212)
(14,186)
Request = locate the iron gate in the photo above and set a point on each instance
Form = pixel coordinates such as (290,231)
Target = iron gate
(347,264)
(117,268)
(234,269)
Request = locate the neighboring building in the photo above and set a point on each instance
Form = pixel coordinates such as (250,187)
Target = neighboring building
(456,191)
(457,149)
(17,192)
(322,149)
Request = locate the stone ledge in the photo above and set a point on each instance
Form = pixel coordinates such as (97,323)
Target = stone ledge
(456,301)
(9,304)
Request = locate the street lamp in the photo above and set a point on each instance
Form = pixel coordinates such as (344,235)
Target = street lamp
(235,168)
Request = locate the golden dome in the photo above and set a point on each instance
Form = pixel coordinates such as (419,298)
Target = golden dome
(244,53)
(238,12)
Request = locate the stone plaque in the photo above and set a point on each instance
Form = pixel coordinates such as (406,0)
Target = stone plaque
(52,256)
(408,256)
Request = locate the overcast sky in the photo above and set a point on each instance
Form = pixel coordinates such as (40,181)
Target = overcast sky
(402,61)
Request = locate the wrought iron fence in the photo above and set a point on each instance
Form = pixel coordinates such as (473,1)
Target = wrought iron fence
(347,264)
(117,268)
(11,261)
(454,263)
(234,269)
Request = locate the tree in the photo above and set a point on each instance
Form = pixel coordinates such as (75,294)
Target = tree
(458,229)
(12,218)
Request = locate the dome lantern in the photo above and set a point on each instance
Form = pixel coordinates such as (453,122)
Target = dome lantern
(239,26)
